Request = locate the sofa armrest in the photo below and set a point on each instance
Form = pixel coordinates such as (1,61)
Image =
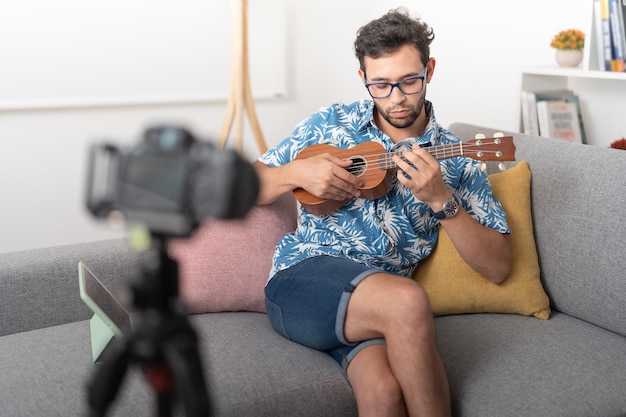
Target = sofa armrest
(39,287)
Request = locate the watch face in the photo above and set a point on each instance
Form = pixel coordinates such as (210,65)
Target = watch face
(450,208)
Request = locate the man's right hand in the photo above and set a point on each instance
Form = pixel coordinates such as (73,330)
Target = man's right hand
(325,176)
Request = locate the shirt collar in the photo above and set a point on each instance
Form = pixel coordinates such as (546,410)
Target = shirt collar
(431,132)
(367,109)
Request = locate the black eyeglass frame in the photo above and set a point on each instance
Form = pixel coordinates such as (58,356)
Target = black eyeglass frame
(398,85)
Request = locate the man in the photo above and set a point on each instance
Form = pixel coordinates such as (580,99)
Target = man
(339,282)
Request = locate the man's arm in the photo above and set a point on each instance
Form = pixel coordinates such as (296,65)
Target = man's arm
(324,176)
(486,250)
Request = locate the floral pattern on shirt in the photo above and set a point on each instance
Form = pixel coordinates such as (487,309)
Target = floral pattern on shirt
(394,232)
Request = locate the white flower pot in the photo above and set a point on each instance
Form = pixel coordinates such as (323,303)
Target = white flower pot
(568,57)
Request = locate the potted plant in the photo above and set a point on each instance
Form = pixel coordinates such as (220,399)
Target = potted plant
(569,45)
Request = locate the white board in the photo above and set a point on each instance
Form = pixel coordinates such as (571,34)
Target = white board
(56,53)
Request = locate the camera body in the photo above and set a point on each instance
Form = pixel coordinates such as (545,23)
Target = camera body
(169,182)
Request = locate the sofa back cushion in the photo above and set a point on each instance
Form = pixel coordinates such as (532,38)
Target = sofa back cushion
(39,287)
(453,287)
(578,202)
(225,264)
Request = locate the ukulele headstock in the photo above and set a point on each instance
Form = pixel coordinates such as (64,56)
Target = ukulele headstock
(498,148)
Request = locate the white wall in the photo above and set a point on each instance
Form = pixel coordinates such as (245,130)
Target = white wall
(480,47)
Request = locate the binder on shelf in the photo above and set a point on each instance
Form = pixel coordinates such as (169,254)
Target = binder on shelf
(529,124)
(531,102)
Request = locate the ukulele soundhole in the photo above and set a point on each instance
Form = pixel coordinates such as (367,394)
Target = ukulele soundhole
(359,165)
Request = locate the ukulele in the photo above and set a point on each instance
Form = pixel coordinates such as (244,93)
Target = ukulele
(375,165)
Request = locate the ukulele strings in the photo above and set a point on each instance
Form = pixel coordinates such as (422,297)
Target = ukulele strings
(382,160)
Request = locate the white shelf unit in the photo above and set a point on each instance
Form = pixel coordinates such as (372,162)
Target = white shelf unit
(602,98)
(602,93)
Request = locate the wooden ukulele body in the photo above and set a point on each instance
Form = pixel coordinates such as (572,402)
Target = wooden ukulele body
(368,162)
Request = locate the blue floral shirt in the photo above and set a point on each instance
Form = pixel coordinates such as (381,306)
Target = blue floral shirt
(394,232)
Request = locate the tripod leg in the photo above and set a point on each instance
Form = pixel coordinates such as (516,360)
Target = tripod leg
(161,379)
(185,364)
(104,385)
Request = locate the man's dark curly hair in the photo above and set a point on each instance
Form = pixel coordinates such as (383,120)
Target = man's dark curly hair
(391,31)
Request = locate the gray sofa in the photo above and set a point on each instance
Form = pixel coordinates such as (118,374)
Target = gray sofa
(499,365)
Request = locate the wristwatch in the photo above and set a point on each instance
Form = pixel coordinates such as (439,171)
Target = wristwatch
(450,209)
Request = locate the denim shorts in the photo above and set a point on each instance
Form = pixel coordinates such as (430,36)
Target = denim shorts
(307,304)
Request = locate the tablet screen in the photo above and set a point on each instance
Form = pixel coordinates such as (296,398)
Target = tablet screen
(103,303)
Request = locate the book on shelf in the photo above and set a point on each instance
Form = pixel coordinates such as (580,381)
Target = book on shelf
(606,44)
(530,104)
(610,31)
(621,23)
(559,120)
(617,38)
(603,54)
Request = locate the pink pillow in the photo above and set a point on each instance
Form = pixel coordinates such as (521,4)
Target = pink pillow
(225,264)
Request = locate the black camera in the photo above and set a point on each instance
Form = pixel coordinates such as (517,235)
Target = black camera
(169,182)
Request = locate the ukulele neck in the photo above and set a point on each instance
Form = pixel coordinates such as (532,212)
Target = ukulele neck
(438,152)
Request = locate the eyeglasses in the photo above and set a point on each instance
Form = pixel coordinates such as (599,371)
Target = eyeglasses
(408,86)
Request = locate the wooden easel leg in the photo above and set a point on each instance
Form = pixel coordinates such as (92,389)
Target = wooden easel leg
(240,99)
(254,121)
(228,118)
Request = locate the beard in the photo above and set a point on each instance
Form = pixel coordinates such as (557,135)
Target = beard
(408,120)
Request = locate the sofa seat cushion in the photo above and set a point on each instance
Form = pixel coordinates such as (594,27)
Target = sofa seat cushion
(514,366)
(46,371)
(250,371)
(253,371)
(453,287)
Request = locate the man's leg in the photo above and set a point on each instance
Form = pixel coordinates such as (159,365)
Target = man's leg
(397,309)
(375,388)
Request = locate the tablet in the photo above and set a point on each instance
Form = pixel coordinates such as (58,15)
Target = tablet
(110,319)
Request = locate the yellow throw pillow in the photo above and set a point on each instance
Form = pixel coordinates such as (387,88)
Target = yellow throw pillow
(453,287)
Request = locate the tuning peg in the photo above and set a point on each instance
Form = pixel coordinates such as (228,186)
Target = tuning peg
(498,135)
(483,166)
(479,136)
(501,166)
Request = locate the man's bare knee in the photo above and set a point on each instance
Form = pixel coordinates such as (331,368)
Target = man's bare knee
(413,298)
(407,300)
(382,302)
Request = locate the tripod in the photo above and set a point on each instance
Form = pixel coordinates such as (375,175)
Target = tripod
(163,343)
